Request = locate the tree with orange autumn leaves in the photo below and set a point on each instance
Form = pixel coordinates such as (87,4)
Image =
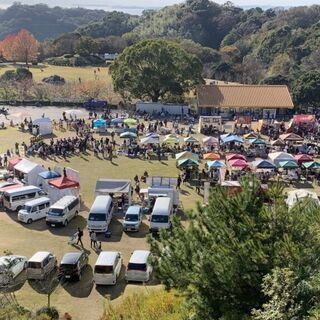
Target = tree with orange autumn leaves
(20,47)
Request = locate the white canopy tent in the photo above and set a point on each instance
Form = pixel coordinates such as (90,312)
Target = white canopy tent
(42,126)
(150,140)
(277,157)
(28,171)
(113,186)
(300,195)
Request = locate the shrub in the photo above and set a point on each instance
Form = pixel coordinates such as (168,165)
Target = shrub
(51,312)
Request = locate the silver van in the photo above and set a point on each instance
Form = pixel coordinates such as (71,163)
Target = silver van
(40,265)
(63,211)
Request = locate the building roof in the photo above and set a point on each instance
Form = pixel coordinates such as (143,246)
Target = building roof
(244,96)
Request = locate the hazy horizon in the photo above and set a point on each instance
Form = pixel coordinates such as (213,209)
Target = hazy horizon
(140,5)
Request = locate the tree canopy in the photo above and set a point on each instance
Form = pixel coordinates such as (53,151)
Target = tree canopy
(221,260)
(154,69)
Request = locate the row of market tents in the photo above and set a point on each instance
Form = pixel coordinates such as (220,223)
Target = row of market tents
(51,181)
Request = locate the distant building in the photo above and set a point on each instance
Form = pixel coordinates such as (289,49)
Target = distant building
(267,101)
(110,56)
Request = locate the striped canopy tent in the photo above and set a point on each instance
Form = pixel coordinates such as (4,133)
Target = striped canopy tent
(234,156)
(187,163)
(291,137)
(263,164)
(217,164)
(277,143)
(311,165)
(277,157)
(300,158)
(187,155)
(238,164)
(288,164)
(257,141)
(128,135)
(251,135)
(211,156)
(210,141)
(191,140)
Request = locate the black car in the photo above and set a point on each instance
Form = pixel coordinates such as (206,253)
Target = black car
(72,264)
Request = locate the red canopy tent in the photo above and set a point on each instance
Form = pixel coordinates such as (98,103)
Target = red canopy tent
(300,158)
(12,163)
(64,183)
(238,163)
(234,156)
(304,119)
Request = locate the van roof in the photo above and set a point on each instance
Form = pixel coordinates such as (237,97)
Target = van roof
(39,256)
(133,210)
(139,256)
(23,189)
(106,258)
(99,203)
(37,201)
(162,206)
(61,203)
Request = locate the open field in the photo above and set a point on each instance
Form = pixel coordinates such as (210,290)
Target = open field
(82,300)
(70,74)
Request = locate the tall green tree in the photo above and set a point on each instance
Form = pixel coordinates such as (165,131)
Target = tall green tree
(220,259)
(154,69)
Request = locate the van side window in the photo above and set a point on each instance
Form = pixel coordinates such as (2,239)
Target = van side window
(73,204)
(34,209)
(116,261)
(42,206)
(46,261)
(31,195)
(47,204)
(110,208)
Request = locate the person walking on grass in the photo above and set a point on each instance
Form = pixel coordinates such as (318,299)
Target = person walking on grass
(80,235)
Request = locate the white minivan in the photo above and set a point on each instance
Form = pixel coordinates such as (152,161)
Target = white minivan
(138,268)
(34,210)
(100,214)
(107,268)
(63,211)
(40,265)
(160,216)
(16,198)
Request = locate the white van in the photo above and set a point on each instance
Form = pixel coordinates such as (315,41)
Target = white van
(160,216)
(63,211)
(15,199)
(100,214)
(40,265)
(107,268)
(34,210)
(138,268)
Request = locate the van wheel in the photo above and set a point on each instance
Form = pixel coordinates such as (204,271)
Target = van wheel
(29,221)
(19,208)
(65,223)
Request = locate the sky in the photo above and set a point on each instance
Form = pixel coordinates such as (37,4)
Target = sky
(136,6)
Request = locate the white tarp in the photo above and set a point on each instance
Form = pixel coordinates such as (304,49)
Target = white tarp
(107,186)
(151,107)
(56,194)
(44,124)
(295,196)
(72,174)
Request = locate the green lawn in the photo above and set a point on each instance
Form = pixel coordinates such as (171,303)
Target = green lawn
(82,300)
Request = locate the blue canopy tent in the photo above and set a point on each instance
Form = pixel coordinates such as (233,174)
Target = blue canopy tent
(99,123)
(263,164)
(232,138)
(49,175)
(216,164)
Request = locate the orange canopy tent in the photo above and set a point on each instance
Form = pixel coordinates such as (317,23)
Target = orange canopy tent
(211,156)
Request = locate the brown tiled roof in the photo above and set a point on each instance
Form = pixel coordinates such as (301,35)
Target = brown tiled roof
(244,96)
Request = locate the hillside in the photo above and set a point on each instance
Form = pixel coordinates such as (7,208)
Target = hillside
(45,22)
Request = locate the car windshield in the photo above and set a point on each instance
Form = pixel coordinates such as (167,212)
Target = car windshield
(137,266)
(27,208)
(103,269)
(56,212)
(97,217)
(132,217)
(159,219)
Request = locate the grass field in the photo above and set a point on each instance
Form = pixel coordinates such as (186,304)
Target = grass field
(70,74)
(82,300)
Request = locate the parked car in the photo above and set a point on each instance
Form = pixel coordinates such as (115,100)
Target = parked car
(139,269)
(40,265)
(10,267)
(34,210)
(72,264)
(107,268)
(132,219)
